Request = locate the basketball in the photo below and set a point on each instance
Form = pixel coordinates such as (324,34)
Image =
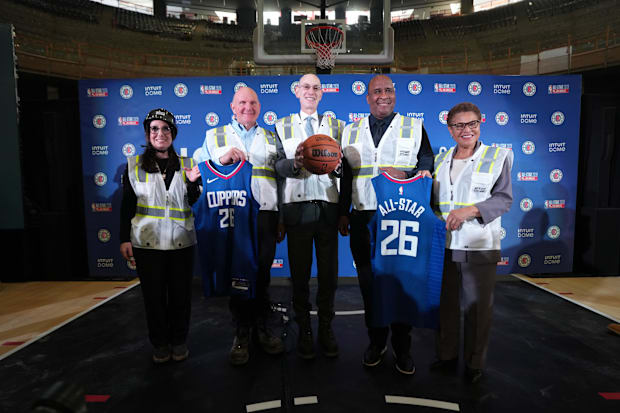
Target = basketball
(321,154)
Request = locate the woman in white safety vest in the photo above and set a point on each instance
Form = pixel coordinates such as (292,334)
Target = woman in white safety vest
(157,234)
(472,189)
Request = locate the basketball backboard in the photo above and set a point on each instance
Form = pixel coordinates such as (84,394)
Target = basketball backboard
(279,37)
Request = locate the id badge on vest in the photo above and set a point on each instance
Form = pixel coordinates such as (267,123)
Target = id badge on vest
(404,153)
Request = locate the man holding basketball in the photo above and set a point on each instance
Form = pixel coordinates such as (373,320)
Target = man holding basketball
(309,211)
(371,143)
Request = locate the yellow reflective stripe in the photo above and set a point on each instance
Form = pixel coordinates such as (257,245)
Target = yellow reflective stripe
(136,169)
(263,172)
(494,159)
(464,203)
(482,159)
(438,166)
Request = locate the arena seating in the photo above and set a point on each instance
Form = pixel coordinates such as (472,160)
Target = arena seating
(76,9)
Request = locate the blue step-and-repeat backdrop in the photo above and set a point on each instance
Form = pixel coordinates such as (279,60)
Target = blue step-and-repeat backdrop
(537,117)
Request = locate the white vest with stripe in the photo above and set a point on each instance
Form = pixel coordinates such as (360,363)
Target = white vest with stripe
(397,148)
(292,132)
(262,155)
(163,219)
(471,186)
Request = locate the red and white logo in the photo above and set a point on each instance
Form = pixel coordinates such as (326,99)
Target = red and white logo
(212,119)
(526,204)
(555,203)
(210,89)
(101,206)
(529,89)
(131,264)
(557,118)
(358,87)
(129,149)
(104,235)
(557,89)
(100,179)
(414,87)
(99,121)
(97,92)
(277,263)
(180,90)
(503,261)
(474,88)
(553,232)
(524,260)
(126,92)
(329,114)
(294,85)
(330,87)
(443,117)
(527,176)
(556,175)
(528,147)
(270,117)
(501,118)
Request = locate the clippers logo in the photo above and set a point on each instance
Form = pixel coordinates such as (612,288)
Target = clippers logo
(99,121)
(501,118)
(529,118)
(557,147)
(358,87)
(128,121)
(529,89)
(294,86)
(502,233)
(101,206)
(557,118)
(556,175)
(180,90)
(153,90)
(105,262)
(528,147)
(270,118)
(553,232)
(97,92)
(445,87)
(555,203)
(100,179)
(239,85)
(483,117)
(556,89)
(104,235)
(210,89)
(329,114)
(414,87)
(126,92)
(526,204)
(355,116)
(443,117)
(212,119)
(183,119)
(553,259)
(524,260)
(266,88)
(129,149)
(131,265)
(330,87)
(527,176)
(277,263)
(504,261)
(474,88)
(98,150)
(525,233)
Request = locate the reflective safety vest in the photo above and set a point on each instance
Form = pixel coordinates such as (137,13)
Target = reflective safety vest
(163,219)
(473,185)
(262,156)
(398,148)
(307,186)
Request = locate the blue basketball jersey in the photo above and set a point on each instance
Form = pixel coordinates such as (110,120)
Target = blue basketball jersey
(407,244)
(225,220)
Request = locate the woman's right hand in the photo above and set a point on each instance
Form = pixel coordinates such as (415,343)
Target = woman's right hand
(127,251)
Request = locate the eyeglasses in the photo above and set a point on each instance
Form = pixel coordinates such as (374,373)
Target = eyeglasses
(473,125)
(306,87)
(164,129)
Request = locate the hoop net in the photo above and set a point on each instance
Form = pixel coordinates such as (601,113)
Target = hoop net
(325,40)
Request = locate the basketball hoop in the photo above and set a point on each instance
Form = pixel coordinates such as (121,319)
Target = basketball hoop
(326,41)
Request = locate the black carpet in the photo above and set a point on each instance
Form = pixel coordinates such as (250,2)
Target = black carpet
(546,355)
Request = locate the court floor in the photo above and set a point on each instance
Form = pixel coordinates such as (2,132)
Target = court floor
(546,354)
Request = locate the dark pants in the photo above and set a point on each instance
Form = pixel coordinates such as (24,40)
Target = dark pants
(476,283)
(166,282)
(245,312)
(359,238)
(316,224)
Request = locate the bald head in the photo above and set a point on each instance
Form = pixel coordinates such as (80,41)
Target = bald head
(309,92)
(246,107)
(381,98)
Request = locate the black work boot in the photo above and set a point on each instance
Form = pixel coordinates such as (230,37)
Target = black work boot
(328,340)
(269,342)
(240,350)
(305,344)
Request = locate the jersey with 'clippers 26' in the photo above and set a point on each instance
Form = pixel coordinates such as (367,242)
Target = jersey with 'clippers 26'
(407,244)
(225,221)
